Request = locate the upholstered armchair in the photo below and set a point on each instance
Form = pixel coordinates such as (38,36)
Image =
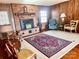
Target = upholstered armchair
(72,26)
(53,24)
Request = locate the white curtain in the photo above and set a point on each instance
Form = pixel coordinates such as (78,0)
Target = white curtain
(4,19)
(43,15)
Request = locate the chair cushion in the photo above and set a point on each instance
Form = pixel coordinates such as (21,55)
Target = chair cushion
(69,28)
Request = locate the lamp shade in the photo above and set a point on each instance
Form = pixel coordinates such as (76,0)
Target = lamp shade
(63,15)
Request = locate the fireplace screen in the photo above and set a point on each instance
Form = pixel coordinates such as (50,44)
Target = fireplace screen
(27,24)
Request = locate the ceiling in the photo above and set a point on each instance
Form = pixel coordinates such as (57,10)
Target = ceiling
(35,2)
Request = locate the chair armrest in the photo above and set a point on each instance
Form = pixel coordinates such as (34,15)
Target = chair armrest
(66,25)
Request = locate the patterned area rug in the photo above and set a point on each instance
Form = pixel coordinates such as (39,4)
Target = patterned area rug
(48,45)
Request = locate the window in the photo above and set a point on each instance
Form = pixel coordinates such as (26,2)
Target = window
(43,15)
(4,19)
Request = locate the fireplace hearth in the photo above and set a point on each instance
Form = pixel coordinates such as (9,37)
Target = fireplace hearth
(26,24)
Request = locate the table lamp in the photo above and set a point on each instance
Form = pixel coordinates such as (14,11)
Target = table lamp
(63,15)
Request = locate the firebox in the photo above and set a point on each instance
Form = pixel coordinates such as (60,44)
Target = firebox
(26,24)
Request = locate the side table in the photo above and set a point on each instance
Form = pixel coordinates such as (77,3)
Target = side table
(61,27)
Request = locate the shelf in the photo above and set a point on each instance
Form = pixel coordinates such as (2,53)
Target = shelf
(29,14)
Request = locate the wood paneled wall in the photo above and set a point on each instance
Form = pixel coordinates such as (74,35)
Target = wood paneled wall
(70,8)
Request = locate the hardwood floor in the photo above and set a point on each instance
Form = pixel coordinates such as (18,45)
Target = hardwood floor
(73,54)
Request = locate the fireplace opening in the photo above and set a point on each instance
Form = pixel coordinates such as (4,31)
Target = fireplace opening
(26,24)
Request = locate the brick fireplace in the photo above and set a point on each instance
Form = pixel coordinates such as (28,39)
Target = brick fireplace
(23,16)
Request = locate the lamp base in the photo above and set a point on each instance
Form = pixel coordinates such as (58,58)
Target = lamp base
(62,19)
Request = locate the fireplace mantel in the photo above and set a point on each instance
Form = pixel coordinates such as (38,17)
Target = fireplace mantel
(24,14)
